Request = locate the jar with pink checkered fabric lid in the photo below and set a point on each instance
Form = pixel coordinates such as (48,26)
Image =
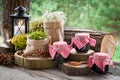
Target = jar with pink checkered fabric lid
(100,62)
(60,51)
(82,41)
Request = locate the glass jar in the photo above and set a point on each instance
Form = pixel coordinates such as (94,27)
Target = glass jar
(98,70)
(59,58)
(84,49)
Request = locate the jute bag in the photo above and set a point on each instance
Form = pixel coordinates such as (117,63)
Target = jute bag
(33,45)
(54,30)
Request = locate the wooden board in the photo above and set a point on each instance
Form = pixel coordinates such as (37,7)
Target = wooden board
(34,62)
(75,56)
(73,70)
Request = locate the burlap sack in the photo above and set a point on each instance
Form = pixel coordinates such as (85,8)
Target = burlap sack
(33,45)
(55,30)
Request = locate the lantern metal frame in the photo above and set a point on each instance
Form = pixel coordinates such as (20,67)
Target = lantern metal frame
(20,14)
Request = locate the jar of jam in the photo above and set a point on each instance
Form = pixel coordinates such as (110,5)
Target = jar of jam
(60,51)
(59,58)
(84,49)
(82,41)
(100,62)
(98,70)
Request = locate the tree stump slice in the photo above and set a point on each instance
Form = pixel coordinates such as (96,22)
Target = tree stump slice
(38,63)
(19,60)
(34,62)
(108,45)
(75,56)
(73,70)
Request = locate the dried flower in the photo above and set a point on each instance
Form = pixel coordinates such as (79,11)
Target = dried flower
(54,16)
(36,24)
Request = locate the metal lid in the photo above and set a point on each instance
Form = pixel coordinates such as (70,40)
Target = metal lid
(20,13)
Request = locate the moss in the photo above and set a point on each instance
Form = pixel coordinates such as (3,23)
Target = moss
(19,40)
(37,35)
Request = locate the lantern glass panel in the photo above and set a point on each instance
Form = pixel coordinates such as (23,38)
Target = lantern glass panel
(19,26)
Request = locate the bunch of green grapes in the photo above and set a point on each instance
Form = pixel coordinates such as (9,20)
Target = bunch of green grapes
(37,35)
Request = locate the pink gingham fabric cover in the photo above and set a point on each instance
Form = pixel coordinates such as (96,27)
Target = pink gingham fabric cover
(81,39)
(61,47)
(100,59)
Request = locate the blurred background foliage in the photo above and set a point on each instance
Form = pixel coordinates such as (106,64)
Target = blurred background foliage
(83,14)
(101,15)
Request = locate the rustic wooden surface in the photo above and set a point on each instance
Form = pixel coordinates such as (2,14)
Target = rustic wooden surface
(19,73)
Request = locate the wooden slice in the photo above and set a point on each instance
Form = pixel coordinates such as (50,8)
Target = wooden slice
(108,44)
(75,56)
(19,60)
(34,62)
(75,70)
(38,63)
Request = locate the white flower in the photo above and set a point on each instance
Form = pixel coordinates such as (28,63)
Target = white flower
(54,16)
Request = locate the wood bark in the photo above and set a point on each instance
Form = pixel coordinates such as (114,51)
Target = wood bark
(8,9)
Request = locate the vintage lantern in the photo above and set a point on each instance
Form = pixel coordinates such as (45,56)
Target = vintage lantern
(20,21)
